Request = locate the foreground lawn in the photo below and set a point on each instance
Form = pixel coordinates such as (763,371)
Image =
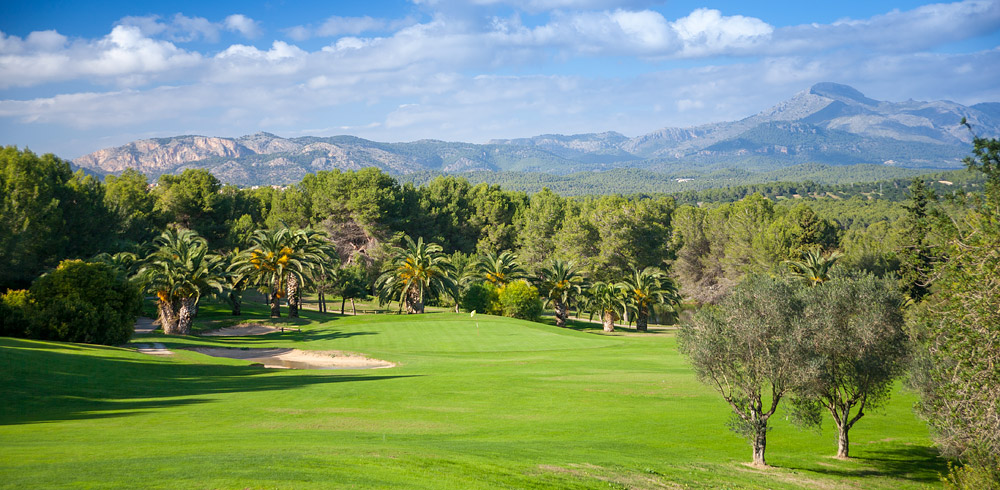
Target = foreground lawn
(509,404)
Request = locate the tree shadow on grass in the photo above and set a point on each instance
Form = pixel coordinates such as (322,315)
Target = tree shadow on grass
(920,464)
(582,325)
(288,335)
(44,384)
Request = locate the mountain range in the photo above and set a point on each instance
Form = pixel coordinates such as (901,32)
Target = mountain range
(829,124)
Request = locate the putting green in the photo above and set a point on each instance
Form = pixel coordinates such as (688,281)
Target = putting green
(509,404)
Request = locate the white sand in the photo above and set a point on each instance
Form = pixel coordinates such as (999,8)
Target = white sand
(298,359)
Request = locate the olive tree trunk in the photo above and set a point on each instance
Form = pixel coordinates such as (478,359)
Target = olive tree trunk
(843,443)
(759,445)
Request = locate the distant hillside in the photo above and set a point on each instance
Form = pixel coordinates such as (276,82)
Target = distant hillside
(828,124)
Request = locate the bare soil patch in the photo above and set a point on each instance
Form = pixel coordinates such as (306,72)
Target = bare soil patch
(297,359)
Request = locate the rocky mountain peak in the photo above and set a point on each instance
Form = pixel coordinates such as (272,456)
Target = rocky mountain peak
(843,93)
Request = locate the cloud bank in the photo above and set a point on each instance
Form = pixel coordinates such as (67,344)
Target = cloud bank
(470,74)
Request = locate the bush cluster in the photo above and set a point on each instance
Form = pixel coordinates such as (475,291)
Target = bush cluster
(77,302)
(519,299)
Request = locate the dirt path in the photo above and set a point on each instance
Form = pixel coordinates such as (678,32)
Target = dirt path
(144,325)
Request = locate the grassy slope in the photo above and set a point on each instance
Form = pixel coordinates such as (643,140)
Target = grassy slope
(512,404)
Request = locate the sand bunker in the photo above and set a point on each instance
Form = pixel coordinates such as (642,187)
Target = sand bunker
(298,359)
(243,329)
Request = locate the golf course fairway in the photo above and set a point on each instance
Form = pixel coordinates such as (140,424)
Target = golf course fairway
(488,402)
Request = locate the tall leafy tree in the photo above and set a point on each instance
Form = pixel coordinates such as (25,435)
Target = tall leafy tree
(558,282)
(47,214)
(748,350)
(414,271)
(647,287)
(127,196)
(957,328)
(350,282)
(192,201)
(918,253)
(536,227)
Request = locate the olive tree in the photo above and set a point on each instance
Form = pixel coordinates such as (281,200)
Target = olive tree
(858,349)
(748,348)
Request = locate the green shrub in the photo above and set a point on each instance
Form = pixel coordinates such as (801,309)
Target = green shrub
(83,302)
(980,475)
(519,299)
(482,297)
(13,319)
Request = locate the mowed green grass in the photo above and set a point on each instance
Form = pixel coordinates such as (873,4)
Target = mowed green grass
(509,404)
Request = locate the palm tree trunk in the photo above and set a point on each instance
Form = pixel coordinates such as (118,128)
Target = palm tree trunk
(185,315)
(561,313)
(236,302)
(275,304)
(414,303)
(293,296)
(608,319)
(642,319)
(168,320)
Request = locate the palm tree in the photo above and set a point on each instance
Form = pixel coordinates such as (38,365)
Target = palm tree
(610,300)
(814,268)
(179,270)
(499,268)
(558,283)
(315,254)
(645,288)
(126,263)
(269,262)
(419,269)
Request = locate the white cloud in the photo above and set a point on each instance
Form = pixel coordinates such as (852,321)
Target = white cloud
(442,78)
(922,28)
(181,28)
(242,24)
(707,31)
(125,56)
(338,26)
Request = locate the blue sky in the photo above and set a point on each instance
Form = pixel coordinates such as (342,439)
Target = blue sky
(80,76)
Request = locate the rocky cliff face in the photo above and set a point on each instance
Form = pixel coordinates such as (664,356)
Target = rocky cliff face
(157,155)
